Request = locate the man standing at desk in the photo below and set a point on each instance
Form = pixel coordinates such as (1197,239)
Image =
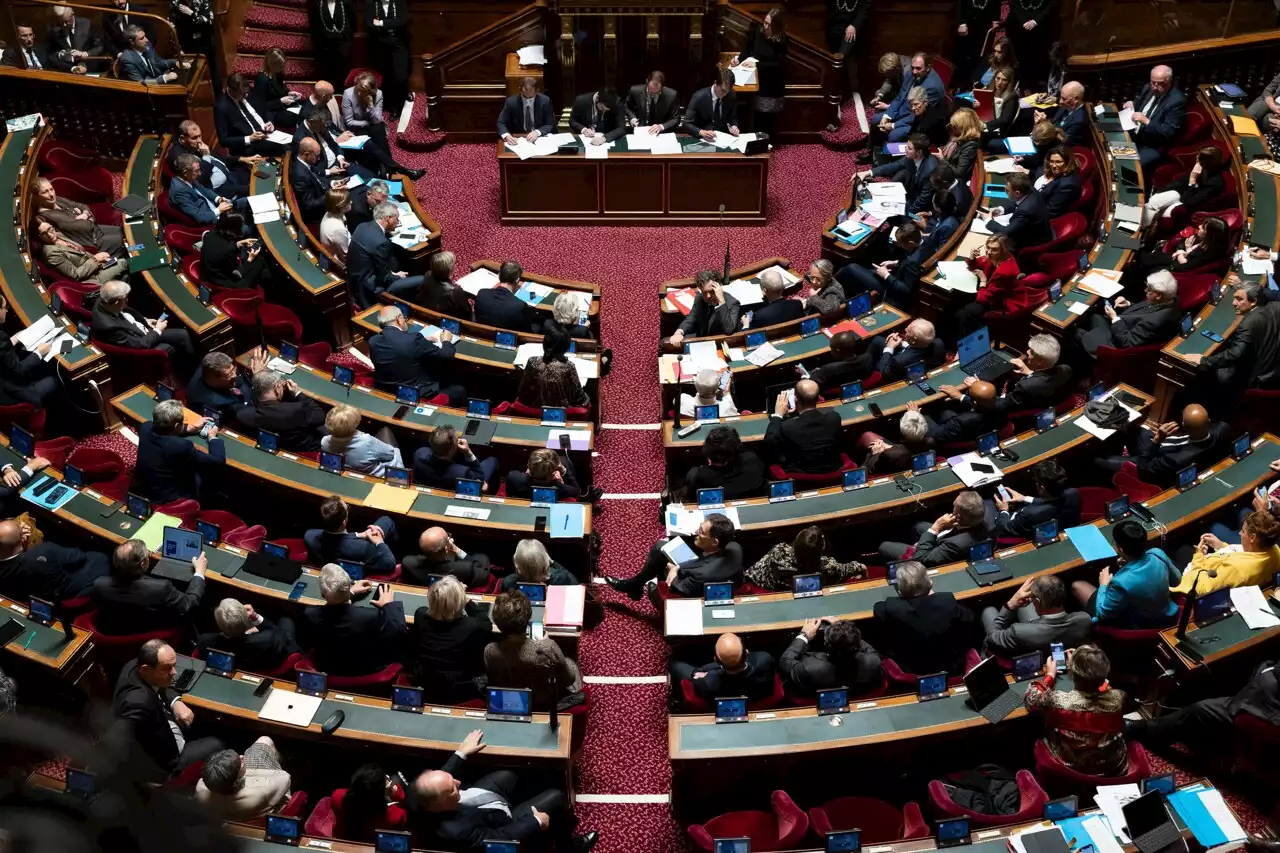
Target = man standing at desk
(713,108)
(527,114)
(1159,111)
(595,115)
(653,105)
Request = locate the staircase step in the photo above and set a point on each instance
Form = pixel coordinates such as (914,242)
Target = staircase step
(416,136)
(295,68)
(260,41)
(273,17)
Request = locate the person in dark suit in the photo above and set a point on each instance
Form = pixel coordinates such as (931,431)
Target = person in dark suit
(332,542)
(499,307)
(141,64)
(1250,357)
(1160,111)
(169,466)
(595,116)
(526,115)
(548,469)
(241,128)
(844,20)
(439,293)
(349,638)
(191,197)
(847,363)
(371,259)
(896,278)
(924,631)
(270,95)
(13,479)
(726,466)
(889,356)
(718,559)
(130,601)
(1029,224)
(913,172)
(218,384)
(440,555)
(1210,723)
(653,105)
(972,413)
(231,261)
(829,653)
(115,23)
(928,118)
(949,538)
(804,438)
(1019,516)
(1161,453)
(1070,115)
(734,672)
(1040,381)
(402,357)
(279,406)
(777,308)
(72,40)
(153,715)
(448,458)
(228,178)
(310,180)
(26,51)
(1033,619)
(714,312)
(1151,321)
(386,25)
(713,109)
(445,813)
(446,643)
(47,570)
(259,645)
(333,31)
(25,377)
(1059,186)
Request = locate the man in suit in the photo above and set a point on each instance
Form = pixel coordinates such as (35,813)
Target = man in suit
(371,258)
(169,466)
(919,342)
(913,172)
(73,261)
(718,559)
(72,40)
(1018,517)
(1162,452)
(279,406)
(240,128)
(1034,618)
(777,308)
(386,25)
(734,672)
(332,542)
(27,52)
(972,413)
(1070,115)
(1152,321)
(188,195)
(526,115)
(352,639)
(595,116)
(153,715)
(52,572)
(713,109)
(1040,381)
(498,306)
(115,23)
(439,555)
(310,179)
(924,631)
(448,458)
(803,437)
(130,601)
(363,205)
(218,384)
(115,323)
(402,357)
(14,479)
(653,105)
(141,64)
(1159,111)
(228,179)
(1250,357)
(829,653)
(896,119)
(75,220)
(25,377)
(1210,723)
(447,814)
(1029,223)
(847,363)
(714,312)
(896,277)
(258,644)
(949,538)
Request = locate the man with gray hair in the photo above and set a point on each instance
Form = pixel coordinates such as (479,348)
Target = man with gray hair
(141,64)
(777,308)
(1151,321)
(279,406)
(219,384)
(949,538)
(401,357)
(1159,111)
(1040,381)
(72,40)
(375,193)
(244,787)
(131,601)
(115,323)
(350,638)
(169,466)
(259,645)
(925,631)
(228,178)
(919,342)
(192,198)
(708,392)
(371,260)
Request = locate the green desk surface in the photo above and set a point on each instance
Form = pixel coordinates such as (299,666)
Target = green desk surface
(282,244)
(1215,318)
(1173,511)
(1266,219)
(1252,147)
(465,347)
(890,399)
(195,315)
(882,320)
(1219,637)
(22,292)
(49,647)
(289,470)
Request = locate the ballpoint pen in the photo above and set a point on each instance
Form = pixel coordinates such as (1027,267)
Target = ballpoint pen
(27,644)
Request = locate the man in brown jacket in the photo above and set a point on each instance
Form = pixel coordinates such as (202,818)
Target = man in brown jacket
(75,220)
(76,263)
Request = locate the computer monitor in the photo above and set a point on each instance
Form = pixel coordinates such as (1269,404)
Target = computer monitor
(1186,477)
(535,592)
(331,462)
(504,340)
(268,441)
(22,441)
(1165,784)
(79,783)
(834,700)
(219,663)
(915,371)
(543,495)
(209,532)
(952,832)
(407,699)
(391,841)
(282,829)
(850,391)
(810,326)
(860,304)
(450,325)
(782,490)
(1239,449)
(478,408)
(706,414)
(988,443)
(931,686)
(922,462)
(1186,325)
(289,352)
(711,497)
(1046,533)
(806,586)
(510,704)
(1045,420)
(554,415)
(731,709)
(407,394)
(502,847)
(717,593)
(468,489)
(854,478)
(1117,509)
(1213,606)
(137,505)
(164,392)
(73,477)
(312,683)
(275,549)
(981,551)
(40,610)
(1097,390)
(344,376)
(1063,808)
(756,339)
(1026,667)
(398,476)
(844,841)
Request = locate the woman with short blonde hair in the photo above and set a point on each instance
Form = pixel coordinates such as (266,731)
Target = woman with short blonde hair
(446,644)
(361,452)
(534,565)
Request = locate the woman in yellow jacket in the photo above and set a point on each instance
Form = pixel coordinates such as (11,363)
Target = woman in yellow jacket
(1255,563)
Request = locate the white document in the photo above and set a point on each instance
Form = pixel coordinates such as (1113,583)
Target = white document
(1126,120)
(705,355)
(1252,607)
(893,189)
(764,354)
(963,468)
(354,143)
(532,54)
(37,333)
(1093,429)
(678,551)
(979,226)
(296,109)
(588,368)
(1254,266)
(475,513)
(666,143)
(558,139)
(1078,307)
(1000,166)
(295,709)
(356,181)
(527,351)
(1212,800)
(1100,285)
(640,140)
(746,292)
(1111,799)
(1104,840)
(1128,212)
(724,140)
(544,145)
(956,275)
(597,152)
(280,137)
(279,365)
(681,520)
(478,280)
(1004,219)
(56,344)
(263,203)
(743,76)
(684,617)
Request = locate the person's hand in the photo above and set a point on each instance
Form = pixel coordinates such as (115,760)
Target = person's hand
(161,325)
(886,124)
(465,446)
(707,134)
(362,586)
(339,185)
(292,387)
(102,257)
(672,570)
(24,533)
(700,675)
(185,9)
(200,563)
(253,253)
(1051,667)
(1104,576)
(810,628)
(733,63)
(43,349)
(718,289)
(342,163)
(83,214)
(472,743)
(532,135)
(881,271)
(446,337)
(962,30)
(37,463)
(1120,302)
(78,69)
(346,134)
(1140,118)
(981,276)
(12,478)
(892,341)
(587,133)
(184,715)
(1040,115)
(170,76)
(913,406)
(677,337)
(269,127)
(1209,542)
(384,595)
(951,392)
(400,274)
(213,429)
(1259,253)
(257,136)
(599,139)
(377,22)
(1194,177)
(1127,105)
(1017,364)
(733,130)
(851,32)
(780,406)
(224,206)
(1195,358)
(1001,503)
(558,478)
(543,819)
(1110,312)
(509,139)
(944,521)
(655,129)
(1168,428)
(1022,597)
(1015,495)
(879,446)
(1261,500)
(375,534)
(1029,26)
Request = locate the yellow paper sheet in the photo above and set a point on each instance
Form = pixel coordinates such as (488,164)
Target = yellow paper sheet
(152,531)
(391,498)
(1244,126)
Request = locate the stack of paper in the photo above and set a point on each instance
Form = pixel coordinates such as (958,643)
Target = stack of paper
(565,605)
(532,54)
(705,355)
(1244,126)
(1112,799)
(980,224)
(678,551)
(746,292)
(1253,607)
(1128,212)
(764,354)
(1002,166)
(265,208)
(1250,265)
(597,152)
(524,149)
(1104,283)
(527,351)
(478,280)
(733,143)
(44,330)
(687,520)
(280,137)
(587,366)
(666,143)
(956,275)
(1209,818)
(962,467)
(743,76)
(354,143)
(673,369)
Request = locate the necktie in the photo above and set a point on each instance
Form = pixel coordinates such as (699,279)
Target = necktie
(31,59)
(653,109)
(715,113)
(147,62)
(244,108)
(528,117)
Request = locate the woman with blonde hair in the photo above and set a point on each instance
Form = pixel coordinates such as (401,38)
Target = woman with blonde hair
(1045,136)
(270,96)
(964,132)
(361,452)
(1004,104)
(362,114)
(334,233)
(446,644)
(534,565)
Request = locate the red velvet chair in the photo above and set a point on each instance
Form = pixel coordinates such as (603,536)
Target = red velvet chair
(1127,482)
(186,780)
(902,681)
(1194,289)
(315,355)
(1257,412)
(946,70)
(132,367)
(1167,173)
(72,294)
(246,310)
(1132,365)
(295,661)
(185,509)
(880,822)
(226,521)
(1093,502)
(520,410)
(955,447)
(323,821)
(1058,265)
(169,214)
(1088,163)
(105,213)
(1061,780)
(248,538)
(297,548)
(1257,743)
(1180,216)
(24,415)
(811,481)
(1185,155)
(1030,804)
(118,647)
(182,239)
(375,683)
(779,829)
(1088,199)
(1067,229)
(92,184)
(56,450)
(57,155)
(1128,648)
(1195,129)
(695,704)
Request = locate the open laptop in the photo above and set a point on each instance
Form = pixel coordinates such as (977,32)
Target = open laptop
(976,358)
(989,691)
(178,548)
(1148,822)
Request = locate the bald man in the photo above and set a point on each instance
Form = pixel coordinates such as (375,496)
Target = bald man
(401,357)
(847,364)
(1159,111)
(919,342)
(1162,452)
(777,308)
(446,814)
(801,436)
(46,571)
(971,412)
(734,672)
(440,555)
(1070,114)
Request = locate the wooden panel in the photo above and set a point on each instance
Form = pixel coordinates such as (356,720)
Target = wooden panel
(631,187)
(692,187)
(551,186)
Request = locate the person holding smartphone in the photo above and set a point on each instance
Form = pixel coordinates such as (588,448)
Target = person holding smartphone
(1033,619)
(1084,726)
(1250,356)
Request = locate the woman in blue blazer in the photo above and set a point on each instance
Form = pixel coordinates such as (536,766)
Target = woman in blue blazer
(1060,185)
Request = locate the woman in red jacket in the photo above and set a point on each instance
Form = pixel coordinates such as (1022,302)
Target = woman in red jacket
(373,801)
(999,284)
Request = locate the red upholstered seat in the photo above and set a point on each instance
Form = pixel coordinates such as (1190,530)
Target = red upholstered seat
(57,155)
(375,682)
(247,308)
(97,464)
(297,548)
(248,538)
(185,509)
(1067,229)
(695,704)
(24,415)
(132,367)
(85,185)
(315,355)
(182,239)
(1030,804)
(73,294)
(322,821)
(186,780)
(1093,502)
(1130,365)
(226,521)
(946,69)
(779,829)
(120,646)
(295,661)
(1195,129)
(1194,289)
(880,822)
(900,679)
(170,214)
(515,407)
(73,607)
(296,806)
(1127,482)
(777,472)
(1061,780)
(1059,265)
(56,449)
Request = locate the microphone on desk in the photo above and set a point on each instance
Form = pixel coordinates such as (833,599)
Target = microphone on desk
(676,412)
(726,245)
(553,722)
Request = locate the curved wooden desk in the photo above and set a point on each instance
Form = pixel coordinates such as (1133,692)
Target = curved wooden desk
(45,646)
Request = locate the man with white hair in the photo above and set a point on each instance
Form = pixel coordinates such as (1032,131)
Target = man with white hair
(892,356)
(279,406)
(349,638)
(371,260)
(72,40)
(1159,111)
(949,538)
(169,466)
(258,644)
(1151,321)
(777,308)
(401,357)
(707,392)
(1041,381)
(885,457)
(1070,114)
(115,323)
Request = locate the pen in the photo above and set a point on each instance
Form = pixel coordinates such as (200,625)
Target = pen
(27,644)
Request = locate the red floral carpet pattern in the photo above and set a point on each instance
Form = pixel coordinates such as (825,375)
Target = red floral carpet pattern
(277,17)
(259,41)
(294,68)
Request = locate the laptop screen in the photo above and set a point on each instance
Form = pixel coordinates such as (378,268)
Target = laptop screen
(1144,814)
(42,610)
(711,497)
(354,570)
(986,682)
(209,532)
(860,304)
(544,495)
(137,506)
(331,462)
(1187,477)
(1164,784)
(535,592)
(283,828)
(1213,606)
(755,339)
(409,697)
(718,593)
(388,841)
(510,701)
(478,408)
(855,478)
(781,489)
(974,346)
(1062,809)
(706,413)
(467,489)
(981,551)
(268,441)
(553,414)
(806,584)
(1046,532)
(1026,667)
(289,352)
(1239,449)
(311,682)
(834,699)
(399,476)
(407,394)
(343,375)
(275,549)
(220,661)
(731,708)
(924,461)
(932,685)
